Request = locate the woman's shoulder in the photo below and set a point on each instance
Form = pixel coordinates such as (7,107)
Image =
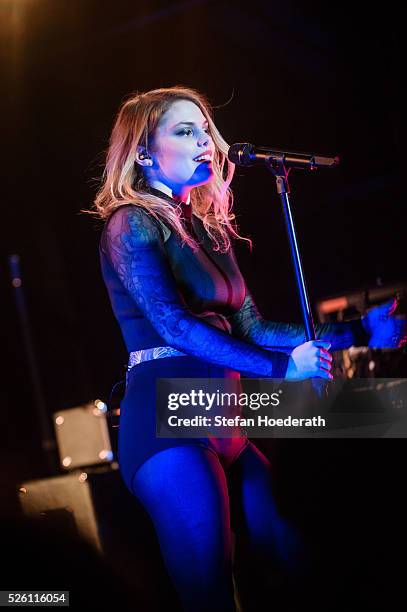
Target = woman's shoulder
(136,221)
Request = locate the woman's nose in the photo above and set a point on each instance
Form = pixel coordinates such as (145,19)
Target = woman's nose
(204,140)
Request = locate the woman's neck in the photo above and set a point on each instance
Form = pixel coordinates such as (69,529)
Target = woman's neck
(182,196)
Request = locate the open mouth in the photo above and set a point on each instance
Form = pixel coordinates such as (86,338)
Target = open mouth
(202,158)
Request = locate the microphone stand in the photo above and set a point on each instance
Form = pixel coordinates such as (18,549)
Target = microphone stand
(277,167)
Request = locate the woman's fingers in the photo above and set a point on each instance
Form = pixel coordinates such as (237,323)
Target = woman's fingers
(324,359)
(324,368)
(323,353)
(325,363)
(322,343)
(322,373)
(312,358)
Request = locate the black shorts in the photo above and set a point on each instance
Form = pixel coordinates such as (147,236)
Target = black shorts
(137,428)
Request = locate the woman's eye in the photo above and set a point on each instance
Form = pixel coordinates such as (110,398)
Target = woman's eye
(185,131)
(189,131)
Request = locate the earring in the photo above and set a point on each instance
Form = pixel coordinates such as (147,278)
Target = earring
(147,158)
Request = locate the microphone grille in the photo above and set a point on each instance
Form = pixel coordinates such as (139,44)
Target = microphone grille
(239,153)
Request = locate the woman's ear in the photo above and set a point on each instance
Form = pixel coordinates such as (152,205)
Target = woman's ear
(142,157)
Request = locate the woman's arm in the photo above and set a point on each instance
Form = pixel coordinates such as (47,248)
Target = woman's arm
(248,324)
(135,249)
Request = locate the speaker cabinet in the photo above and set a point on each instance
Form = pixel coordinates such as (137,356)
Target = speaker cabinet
(96,506)
(82,436)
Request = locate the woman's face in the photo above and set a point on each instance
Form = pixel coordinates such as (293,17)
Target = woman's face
(180,139)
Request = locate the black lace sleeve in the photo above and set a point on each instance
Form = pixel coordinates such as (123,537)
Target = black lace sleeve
(134,245)
(248,324)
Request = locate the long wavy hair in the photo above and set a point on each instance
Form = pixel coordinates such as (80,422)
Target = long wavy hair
(123,181)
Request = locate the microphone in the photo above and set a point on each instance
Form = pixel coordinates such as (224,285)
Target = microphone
(246,154)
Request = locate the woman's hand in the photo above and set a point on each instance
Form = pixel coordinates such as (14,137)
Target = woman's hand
(385,330)
(310,359)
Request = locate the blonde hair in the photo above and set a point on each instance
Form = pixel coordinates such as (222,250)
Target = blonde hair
(123,180)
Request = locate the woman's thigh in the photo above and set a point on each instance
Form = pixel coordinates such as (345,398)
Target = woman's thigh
(184,490)
(261,531)
(186,483)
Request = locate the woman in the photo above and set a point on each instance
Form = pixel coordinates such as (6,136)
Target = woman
(185,312)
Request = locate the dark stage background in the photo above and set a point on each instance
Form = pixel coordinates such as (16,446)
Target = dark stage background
(322,77)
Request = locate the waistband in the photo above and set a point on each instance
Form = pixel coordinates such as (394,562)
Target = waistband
(157,352)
